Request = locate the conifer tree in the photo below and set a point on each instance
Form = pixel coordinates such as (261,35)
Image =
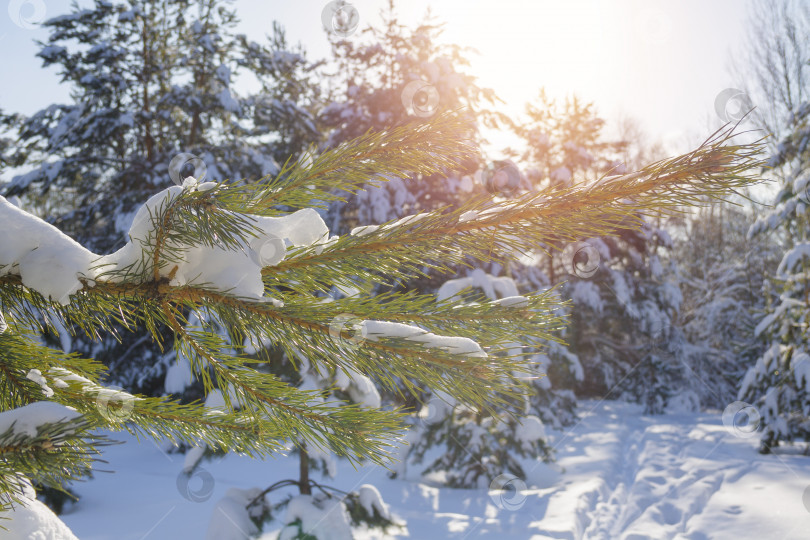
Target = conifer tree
(384,76)
(250,258)
(392,74)
(477,446)
(776,78)
(562,140)
(152,102)
(778,385)
(623,337)
(722,272)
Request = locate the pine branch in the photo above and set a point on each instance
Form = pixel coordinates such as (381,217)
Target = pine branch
(58,453)
(447,237)
(249,431)
(144,293)
(407,151)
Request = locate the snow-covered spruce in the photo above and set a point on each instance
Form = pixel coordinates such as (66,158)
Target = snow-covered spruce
(623,320)
(721,274)
(323,516)
(779,383)
(195,59)
(475,447)
(624,297)
(553,402)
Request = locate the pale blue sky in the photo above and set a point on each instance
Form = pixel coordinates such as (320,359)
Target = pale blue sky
(663,62)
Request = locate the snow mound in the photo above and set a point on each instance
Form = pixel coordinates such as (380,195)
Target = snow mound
(52,263)
(36,376)
(375,330)
(493,287)
(25,420)
(323,518)
(47,260)
(530,429)
(32,520)
(221,268)
(230,519)
(360,388)
(370,500)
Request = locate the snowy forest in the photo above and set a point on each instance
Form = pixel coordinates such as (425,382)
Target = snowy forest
(248,291)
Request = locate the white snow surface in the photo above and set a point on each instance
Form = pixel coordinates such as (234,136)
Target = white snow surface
(230,519)
(215,402)
(513,302)
(26,419)
(193,457)
(530,429)
(791,258)
(370,500)
(625,476)
(36,376)
(47,260)
(32,520)
(325,519)
(178,375)
(375,330)
(364,230)
(360,388)
(219,268)
(801,370)
(51,263)
(492,286)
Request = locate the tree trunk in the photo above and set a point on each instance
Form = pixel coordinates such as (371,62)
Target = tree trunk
(303,473)
(145,80)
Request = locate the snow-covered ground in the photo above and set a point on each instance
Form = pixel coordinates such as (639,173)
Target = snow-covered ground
(624,475)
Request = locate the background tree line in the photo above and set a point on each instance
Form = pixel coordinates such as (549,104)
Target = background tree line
(688,313)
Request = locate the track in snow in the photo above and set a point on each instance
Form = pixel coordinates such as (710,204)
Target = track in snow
(626,476)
